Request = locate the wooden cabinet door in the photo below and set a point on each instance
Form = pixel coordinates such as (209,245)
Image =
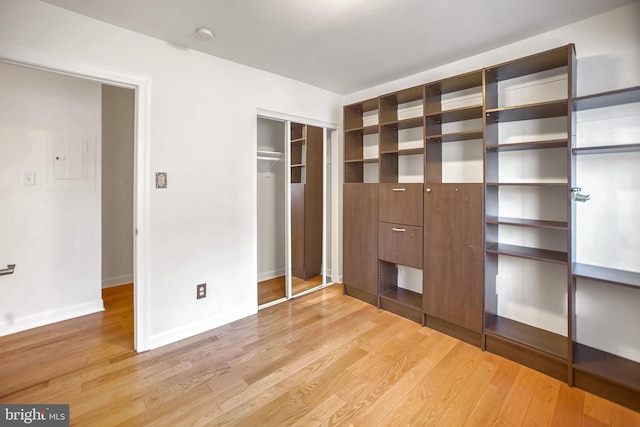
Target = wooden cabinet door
(360,234)
(453,254)
(297,230)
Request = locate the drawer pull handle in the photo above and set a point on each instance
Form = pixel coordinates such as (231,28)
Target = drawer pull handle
(399,189)
(400,230)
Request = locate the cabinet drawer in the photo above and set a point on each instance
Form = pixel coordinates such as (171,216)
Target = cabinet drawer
(401,203)
(400,244)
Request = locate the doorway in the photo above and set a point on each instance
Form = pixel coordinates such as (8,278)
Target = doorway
(293,208)
(140,85)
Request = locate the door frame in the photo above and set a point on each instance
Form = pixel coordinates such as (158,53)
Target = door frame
(328,133)
(142,86)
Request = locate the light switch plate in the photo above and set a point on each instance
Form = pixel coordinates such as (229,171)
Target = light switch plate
(161,180)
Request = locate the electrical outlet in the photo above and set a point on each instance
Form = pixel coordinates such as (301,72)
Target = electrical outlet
(201,291)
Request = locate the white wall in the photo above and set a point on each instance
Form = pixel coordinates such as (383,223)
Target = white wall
(608,55)
(53,235)
(271,202)
(203,227)
(118,112)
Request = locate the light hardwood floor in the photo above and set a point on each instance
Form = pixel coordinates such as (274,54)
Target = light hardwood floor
(322,359)
(273,289)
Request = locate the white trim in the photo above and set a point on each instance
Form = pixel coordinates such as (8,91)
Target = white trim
(112,282)
(274,115)
(287,209)
(271,303)
(198,327)
(49,317)
(142,86)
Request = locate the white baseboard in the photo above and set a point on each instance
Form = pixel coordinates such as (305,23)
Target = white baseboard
(195,328)
(270,274)
(110,282)
(49,317)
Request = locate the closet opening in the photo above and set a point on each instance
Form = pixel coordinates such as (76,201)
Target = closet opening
(293,209)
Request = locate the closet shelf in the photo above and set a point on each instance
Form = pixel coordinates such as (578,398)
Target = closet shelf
(606,149)
(607,99)
(363,130)
(608,275)
(413,122)
(404,151)
(546,255)
(274,156)
(534,223)
(529,145)
(605,365)
(540,110)
(404,297)
(456,114)
(369,160)
(456,136)
(535,338)
(527,184)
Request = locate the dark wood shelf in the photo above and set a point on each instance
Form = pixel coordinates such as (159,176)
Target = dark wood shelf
(456,136)
(457,114)
(370,160)
(404,297)
(607,99)
(606,149)
(530,145)
(548,60)
(406,95)
(607,366)
(404,152)
(364,130)
(534,223)
(527,335)
(413,122)
(527,184)
(609,275)
(457,83)
(535,254)
(540,110)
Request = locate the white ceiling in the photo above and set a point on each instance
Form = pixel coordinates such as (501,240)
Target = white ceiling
(342,45)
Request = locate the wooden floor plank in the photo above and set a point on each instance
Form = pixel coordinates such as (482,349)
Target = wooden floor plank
(321,359)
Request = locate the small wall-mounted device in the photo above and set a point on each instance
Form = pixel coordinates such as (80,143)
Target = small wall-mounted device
(201,291)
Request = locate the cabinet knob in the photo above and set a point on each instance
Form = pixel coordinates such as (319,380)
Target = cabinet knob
(428,190)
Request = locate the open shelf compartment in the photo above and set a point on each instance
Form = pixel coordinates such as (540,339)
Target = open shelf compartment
(529,336)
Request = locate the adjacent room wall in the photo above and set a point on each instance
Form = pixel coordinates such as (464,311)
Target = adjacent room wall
(118,110)
(203,130)
(50,231)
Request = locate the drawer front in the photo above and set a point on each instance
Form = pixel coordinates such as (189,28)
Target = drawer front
(400,244)
(401,203)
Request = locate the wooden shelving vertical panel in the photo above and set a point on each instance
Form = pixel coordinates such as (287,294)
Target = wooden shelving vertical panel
(453,256)
(313,202)
(360,240)
(298,230)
